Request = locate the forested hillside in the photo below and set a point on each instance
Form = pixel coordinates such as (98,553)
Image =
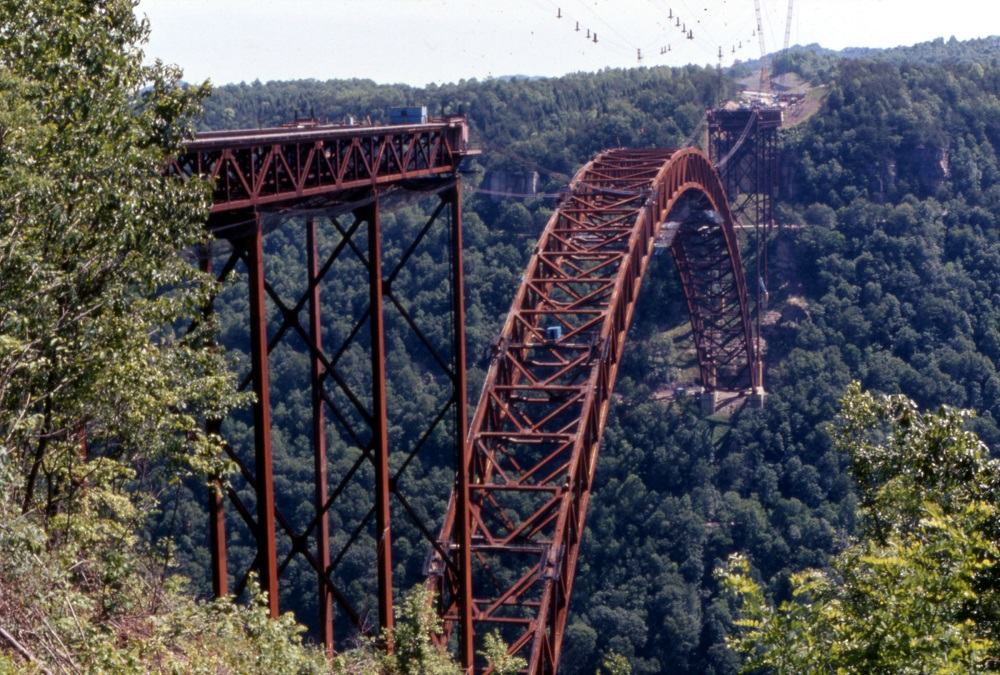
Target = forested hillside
(892,280)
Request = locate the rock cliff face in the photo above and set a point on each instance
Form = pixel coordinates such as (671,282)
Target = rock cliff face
(928,165)
(504,182)
(918,170)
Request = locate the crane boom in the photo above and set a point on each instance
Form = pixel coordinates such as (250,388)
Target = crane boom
(788,25)
(765,80)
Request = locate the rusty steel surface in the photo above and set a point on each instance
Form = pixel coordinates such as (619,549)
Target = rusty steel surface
(267,555)
(253,168)
(462,542)
(216,494)
(533,440)
(380,414)
(321,487)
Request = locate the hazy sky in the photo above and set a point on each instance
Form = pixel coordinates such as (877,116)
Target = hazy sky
(421,41)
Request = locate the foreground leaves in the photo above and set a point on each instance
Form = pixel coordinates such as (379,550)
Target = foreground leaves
(916,592)
(107,371)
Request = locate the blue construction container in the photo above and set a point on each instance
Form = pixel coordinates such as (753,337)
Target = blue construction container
(408,115)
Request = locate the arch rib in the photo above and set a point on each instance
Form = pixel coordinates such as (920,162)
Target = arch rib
(535,434)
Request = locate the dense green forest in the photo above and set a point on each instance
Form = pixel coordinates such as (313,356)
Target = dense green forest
(885,271)
(891,281)
(915,590)
(103,388)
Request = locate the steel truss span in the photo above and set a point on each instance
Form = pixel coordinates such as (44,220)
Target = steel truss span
(254,168)
(531,452)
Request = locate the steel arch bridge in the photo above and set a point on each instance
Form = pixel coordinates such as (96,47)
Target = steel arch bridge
(507,560)
(506,553)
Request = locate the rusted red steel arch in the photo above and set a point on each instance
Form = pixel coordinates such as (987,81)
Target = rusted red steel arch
(532,447)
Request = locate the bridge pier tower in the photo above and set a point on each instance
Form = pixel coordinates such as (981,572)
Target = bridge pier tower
(743,145)
(326,188)
(758,395)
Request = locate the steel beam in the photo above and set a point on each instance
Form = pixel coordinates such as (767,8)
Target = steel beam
(217,540)
(316,372)
(380,414)
(463,531)
(263,470)
(216,497)
(254,168)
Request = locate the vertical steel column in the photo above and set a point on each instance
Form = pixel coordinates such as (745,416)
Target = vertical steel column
(771,157)
(463,531)
(380,415)
(760,233)
(216,512)
(267,555)
(319,439)
(217,530)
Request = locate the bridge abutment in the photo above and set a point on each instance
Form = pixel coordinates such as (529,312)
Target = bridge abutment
(709,402)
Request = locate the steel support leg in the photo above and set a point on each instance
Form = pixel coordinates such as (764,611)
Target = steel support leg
(761,244)
(319,440)
(216,514)
(217,529)
(380,416)
(267,558)
(463,529)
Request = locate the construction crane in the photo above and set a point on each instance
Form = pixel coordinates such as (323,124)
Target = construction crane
(788,25)
(765,80)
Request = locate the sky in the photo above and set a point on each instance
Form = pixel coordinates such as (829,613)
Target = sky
(422,41)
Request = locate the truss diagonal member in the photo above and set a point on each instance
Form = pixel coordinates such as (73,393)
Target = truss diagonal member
(341,486)
(438,418)
(286,311)
(424,531)
(415,243)
(293,322)
(442,363)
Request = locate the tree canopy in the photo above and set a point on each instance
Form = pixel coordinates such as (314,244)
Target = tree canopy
(107,369)
(916,591)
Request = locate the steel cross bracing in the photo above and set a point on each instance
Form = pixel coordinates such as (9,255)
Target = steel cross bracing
(532,446)
(744,145)
(336,181)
